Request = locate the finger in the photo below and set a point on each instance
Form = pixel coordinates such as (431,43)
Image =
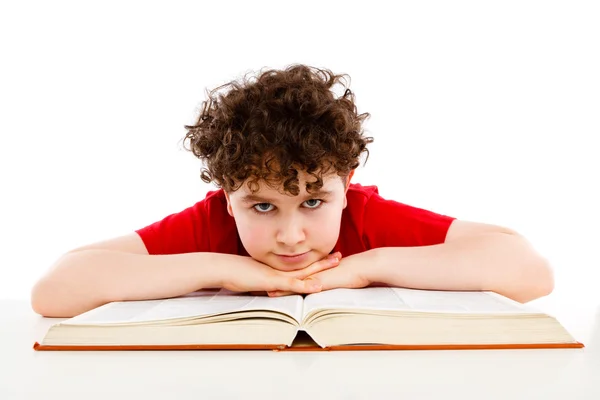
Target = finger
(339,278)
(279,293)
(316,267)
(328,279)
(296,285)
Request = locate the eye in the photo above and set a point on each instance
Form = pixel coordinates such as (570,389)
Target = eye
(313,200)
(262,208)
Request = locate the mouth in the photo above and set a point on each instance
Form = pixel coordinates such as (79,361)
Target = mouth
(293,258)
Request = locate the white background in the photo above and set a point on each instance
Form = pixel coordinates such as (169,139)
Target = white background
(484,111)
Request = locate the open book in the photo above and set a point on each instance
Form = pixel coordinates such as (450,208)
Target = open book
(339,319)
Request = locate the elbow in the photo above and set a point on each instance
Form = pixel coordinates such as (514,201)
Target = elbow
(539,282)
(54,300)
(532,282)
(39,302)
(44,301)
(45,293)
(545,279)
(60,294)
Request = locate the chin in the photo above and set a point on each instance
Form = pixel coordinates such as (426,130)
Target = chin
(289,267)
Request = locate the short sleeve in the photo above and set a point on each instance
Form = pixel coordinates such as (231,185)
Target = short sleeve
(388,223)
(177,233)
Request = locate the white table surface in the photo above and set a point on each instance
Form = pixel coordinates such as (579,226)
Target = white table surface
(467,374)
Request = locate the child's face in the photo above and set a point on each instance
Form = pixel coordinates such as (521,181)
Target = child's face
(272,225)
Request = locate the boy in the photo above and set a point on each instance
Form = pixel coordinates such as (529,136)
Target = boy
(283,149)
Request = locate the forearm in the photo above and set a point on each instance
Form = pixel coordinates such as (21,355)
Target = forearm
(499,262)
(87,279)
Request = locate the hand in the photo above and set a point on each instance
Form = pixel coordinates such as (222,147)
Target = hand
(352,272)
(245,274)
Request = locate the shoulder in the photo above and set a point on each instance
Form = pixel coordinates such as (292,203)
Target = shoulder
(387,222)
(204,226)
(215,198)
(367,198)
(212,205)
(358,197)
(212,202)
(361,194)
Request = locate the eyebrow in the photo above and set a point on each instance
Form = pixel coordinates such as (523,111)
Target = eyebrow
(252,198)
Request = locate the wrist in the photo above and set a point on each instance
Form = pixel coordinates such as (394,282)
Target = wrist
(214,269)
(376,269)
(367,265)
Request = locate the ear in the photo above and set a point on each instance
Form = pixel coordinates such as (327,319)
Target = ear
(350,175)
(347,186)
(229,209)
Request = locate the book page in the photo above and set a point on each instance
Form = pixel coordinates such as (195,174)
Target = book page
(401,299)
(196,304)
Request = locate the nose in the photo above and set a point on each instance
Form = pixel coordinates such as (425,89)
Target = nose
(291,231)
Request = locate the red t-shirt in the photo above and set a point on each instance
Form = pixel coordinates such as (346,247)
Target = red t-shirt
(369,221)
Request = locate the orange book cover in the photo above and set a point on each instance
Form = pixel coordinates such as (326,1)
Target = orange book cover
(283,347)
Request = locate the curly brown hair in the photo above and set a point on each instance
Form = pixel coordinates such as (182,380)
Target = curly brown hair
(269,128)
